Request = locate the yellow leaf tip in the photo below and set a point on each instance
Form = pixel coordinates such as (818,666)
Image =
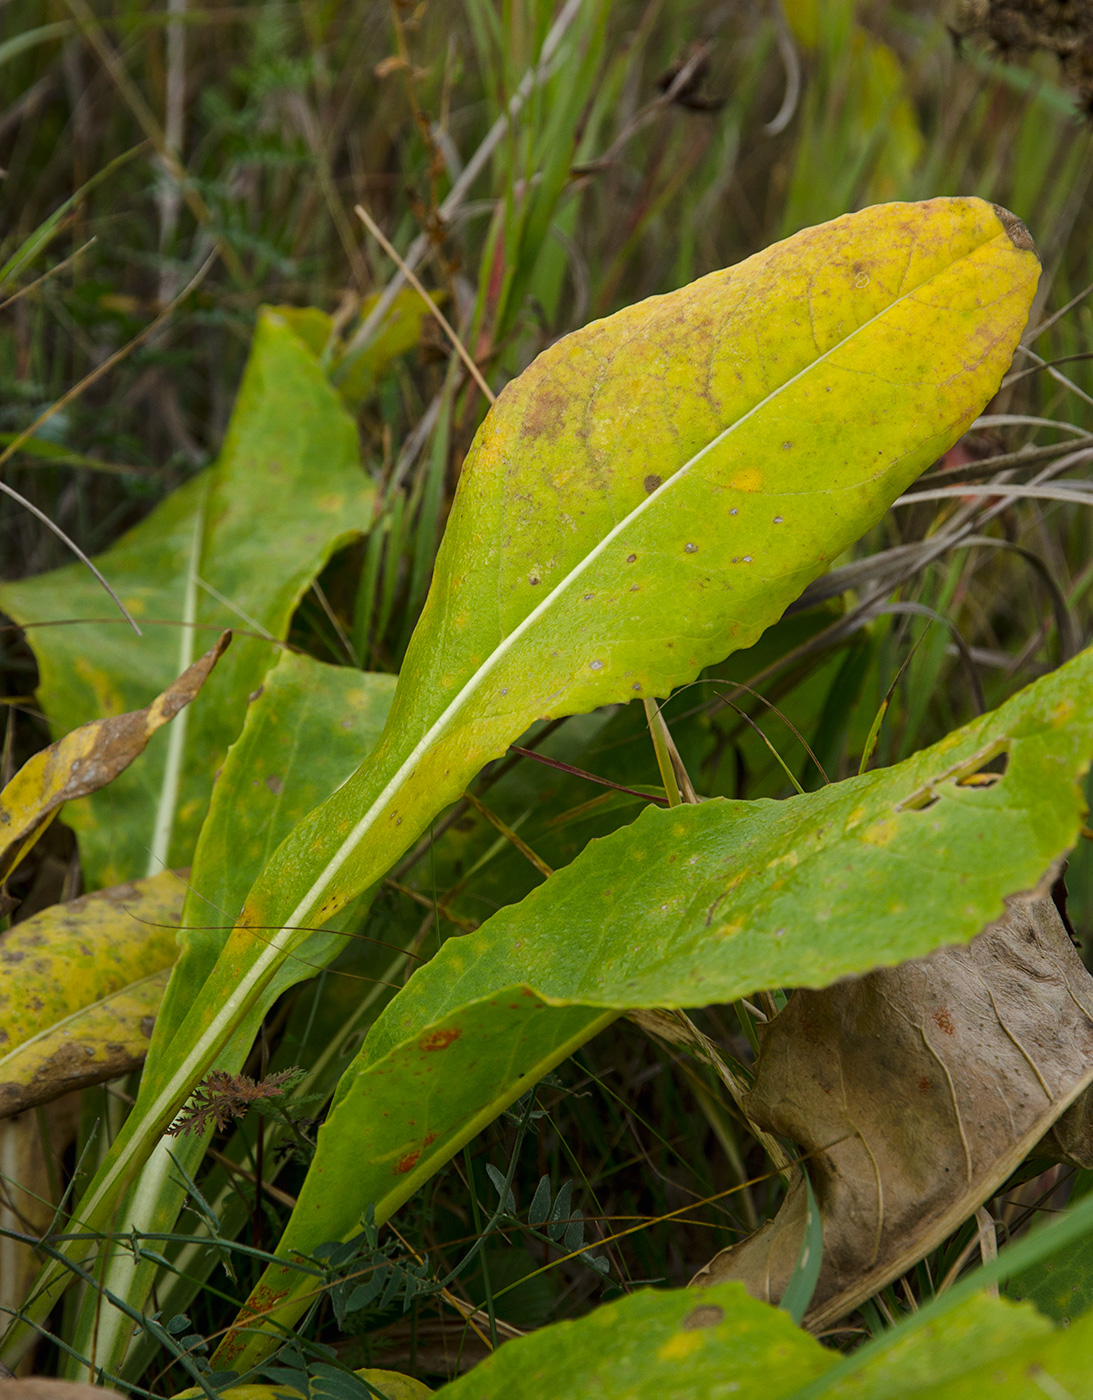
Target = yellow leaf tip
(1018,232)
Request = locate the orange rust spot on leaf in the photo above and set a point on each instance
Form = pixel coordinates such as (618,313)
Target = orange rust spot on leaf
(438,1040)
(407,1163)
(944,1021)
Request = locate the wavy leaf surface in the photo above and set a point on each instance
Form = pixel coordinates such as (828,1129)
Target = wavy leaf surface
(687,907)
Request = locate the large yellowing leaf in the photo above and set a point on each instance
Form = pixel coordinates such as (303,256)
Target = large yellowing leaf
(76,983)
(681,1344)
(236,547)
(102,1041)
(646,498)
(652,493)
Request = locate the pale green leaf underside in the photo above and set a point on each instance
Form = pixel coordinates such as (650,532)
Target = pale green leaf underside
(307,730)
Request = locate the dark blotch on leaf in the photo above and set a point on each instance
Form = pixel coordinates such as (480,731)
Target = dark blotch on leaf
(708,1315)
(439,1040)
(1018,233)
(651,483)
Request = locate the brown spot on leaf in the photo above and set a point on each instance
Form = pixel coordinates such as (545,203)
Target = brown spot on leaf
(708,1315)
(438,1040)
(407,1163)
(944,1021)
(1019,235)
(651,483)
(275,785)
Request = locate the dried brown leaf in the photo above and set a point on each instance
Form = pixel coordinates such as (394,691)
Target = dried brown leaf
(914,1092)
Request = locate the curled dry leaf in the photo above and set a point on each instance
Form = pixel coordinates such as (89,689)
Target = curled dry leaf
(86,760)
(914,1091)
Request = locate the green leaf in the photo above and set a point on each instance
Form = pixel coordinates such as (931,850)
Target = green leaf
(357,377)
(19,43)
(254,530)
(981,1347)
(690,1344)
(306,729)
(1061,1286)
(729,897)
(37,241)
(802,1283)
(683,1344)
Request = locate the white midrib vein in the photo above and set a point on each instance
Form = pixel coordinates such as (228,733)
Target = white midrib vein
(167,804)
(189,1070)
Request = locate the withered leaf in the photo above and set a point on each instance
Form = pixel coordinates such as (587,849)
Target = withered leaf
(914,1091)
(86,760)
